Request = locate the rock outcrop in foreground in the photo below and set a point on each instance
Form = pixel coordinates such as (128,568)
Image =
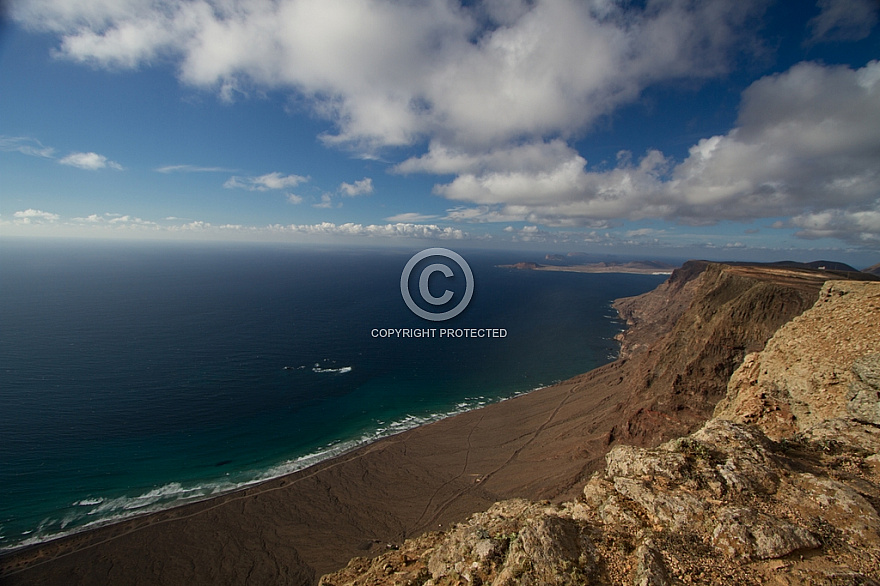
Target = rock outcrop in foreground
(782,486)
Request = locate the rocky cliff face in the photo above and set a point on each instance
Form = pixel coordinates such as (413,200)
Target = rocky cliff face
(782,486)
(687,337)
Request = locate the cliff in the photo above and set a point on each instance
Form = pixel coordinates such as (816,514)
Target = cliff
(687,336)
(725,503)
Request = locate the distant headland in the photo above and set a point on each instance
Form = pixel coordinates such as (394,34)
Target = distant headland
(654,267)
(636,267)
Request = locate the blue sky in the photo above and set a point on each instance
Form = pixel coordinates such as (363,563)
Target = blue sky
(721,129)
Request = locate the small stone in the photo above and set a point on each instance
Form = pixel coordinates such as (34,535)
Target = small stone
(747,534)
(678,509)
(650,568)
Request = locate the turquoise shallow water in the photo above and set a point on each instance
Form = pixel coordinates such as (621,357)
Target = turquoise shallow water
(140,376)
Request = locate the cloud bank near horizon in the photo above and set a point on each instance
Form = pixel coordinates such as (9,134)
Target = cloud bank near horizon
(134,225)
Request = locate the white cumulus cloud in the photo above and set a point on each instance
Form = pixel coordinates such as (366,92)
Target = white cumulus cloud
(32,216)
(857,227)
(326,202)
(391,73)
(26,145)
(90,219)
(89,161)
(806,140)
(130,221)
(362,187)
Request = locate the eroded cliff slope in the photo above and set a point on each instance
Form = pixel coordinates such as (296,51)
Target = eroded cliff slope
(687,337)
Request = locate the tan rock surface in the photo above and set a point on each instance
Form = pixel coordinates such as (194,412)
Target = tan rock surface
(805,374)
(814,523)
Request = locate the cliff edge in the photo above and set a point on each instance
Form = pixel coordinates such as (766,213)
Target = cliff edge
(781,486)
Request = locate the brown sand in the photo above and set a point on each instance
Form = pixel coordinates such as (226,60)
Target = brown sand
(293,529)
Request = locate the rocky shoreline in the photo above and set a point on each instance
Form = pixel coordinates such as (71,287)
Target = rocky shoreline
(685,341)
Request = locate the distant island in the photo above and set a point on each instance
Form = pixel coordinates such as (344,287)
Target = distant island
(653,267)
(636,267)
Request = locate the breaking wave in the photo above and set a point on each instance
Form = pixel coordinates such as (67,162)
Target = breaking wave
(93,511)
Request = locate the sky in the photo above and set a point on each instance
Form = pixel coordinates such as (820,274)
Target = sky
(737,129)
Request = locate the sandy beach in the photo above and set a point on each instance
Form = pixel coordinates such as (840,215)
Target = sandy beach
(294,529)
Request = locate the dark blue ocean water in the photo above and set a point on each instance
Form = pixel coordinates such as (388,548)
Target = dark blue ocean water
(138,376)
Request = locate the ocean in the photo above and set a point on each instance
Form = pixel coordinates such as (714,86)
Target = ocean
(139,376)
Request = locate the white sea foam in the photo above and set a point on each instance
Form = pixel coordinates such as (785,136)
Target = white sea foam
(92,512)
(382,430)
(342,370)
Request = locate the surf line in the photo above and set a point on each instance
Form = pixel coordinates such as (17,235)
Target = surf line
(438,333)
